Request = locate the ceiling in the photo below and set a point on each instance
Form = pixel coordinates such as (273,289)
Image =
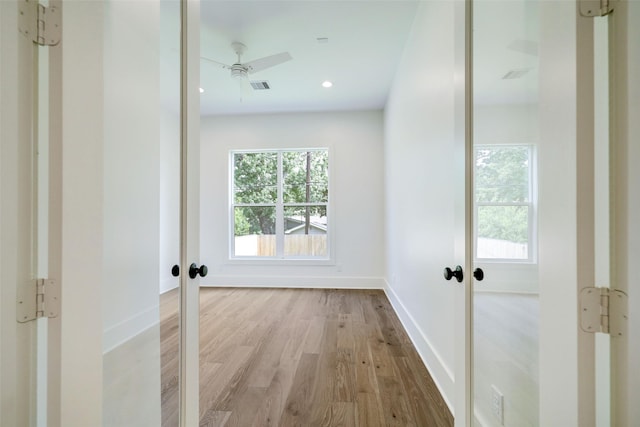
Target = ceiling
(365,40)
(364,43)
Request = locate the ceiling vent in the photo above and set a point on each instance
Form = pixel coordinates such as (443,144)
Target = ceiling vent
(260,85)
(516,74)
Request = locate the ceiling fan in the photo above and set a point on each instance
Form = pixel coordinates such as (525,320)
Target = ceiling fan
(242,70)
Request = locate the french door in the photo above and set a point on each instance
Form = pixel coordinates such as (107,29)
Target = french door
(550,199)
(100,171)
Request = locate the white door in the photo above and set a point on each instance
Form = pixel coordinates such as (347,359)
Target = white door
(115,114)
(537,212)
(151,194)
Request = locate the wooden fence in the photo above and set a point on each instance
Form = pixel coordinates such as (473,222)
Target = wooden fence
(294,245)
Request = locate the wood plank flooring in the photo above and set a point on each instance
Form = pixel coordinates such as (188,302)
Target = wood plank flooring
(301,357)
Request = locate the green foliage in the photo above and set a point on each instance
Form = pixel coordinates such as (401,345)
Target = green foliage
(502,174)
(255,220)
(509,223)
(241,224)
(296,178)
(255,175)
(502,177)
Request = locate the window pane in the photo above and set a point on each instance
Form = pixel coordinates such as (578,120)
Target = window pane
(255,177)
(254,231)
(305,176)
(503,232)
(502,174)
(305,231)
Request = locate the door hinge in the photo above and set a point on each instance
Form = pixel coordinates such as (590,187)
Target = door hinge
(40,299)
(603,310)
(39,23)
(593,8)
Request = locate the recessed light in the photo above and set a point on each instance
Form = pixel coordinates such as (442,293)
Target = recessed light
(201,90)
(327,84)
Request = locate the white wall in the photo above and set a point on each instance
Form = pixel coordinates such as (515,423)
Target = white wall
(356,179)
(169,142)
(169,248)
(131,170)
(419,184)
(131,218)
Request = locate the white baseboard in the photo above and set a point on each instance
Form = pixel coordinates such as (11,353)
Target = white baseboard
(168,284)
(441,374)
(294,282)
(129,328)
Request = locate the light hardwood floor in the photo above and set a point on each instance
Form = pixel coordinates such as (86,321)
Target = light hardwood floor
(301,357)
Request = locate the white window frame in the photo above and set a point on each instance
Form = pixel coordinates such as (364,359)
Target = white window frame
(532,250)
(280,257)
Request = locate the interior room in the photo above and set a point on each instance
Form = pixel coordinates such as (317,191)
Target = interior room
(311,212)
(379,122)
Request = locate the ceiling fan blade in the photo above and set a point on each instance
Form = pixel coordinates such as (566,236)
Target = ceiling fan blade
(267,62)
(220,64)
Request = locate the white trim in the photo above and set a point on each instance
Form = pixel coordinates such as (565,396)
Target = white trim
(169,284)
(320,282)
(441,374)
(123,331)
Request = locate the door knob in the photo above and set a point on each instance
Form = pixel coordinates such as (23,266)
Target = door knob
(194,270)
(478,274)
(457,273)
(175,270)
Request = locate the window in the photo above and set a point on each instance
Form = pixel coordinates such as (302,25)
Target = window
(504,202)
(279,204)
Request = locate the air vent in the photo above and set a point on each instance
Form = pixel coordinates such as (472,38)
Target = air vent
(516,74)
(260,85)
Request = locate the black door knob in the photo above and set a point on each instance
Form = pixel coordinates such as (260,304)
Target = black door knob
(175,270)
(457,273)
(194,270)
(478,274)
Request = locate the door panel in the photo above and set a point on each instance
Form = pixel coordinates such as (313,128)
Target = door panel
(506,136)
(112,88)
(151,175)
(533,212)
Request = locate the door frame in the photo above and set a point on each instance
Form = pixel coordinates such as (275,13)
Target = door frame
(189,211)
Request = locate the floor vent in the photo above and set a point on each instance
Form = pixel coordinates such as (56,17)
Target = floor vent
(260,85)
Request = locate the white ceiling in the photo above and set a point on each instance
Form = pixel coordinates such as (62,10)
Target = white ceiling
(366,39)
(365,42)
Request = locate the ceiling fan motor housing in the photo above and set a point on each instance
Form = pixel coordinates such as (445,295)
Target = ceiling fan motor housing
(238,71)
